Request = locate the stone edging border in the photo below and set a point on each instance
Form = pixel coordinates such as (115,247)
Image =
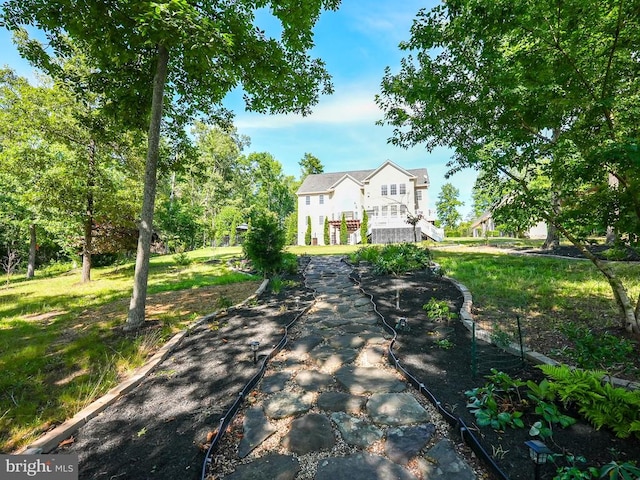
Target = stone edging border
(531,355)
(52,439)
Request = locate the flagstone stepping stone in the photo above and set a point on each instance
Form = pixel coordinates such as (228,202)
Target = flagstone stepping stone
(346,341)
(310,433)
(373,354)
(359,380)
(366,320)
(275,382)
(312,380)
(404,443)
(444,464)
(273,465)
(305,344)
(396,409)
(334,322)
(330,358)
(361,466)
(285,404)
(356,430)
(362,301)
(256,429)
(341,402)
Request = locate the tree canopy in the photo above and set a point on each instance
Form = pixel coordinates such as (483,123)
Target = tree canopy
(447,206)
(160,64)
(536,94)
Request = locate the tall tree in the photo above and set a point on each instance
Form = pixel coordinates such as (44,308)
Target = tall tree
(310,165)
(447,206)
(197,52)
(527,91)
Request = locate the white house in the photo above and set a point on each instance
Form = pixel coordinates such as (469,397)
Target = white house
(388,194)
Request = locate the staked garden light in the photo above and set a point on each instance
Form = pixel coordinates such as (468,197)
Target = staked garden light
(254,348)
(539,453)
(401,324)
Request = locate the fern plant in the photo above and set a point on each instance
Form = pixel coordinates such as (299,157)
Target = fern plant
(598,402)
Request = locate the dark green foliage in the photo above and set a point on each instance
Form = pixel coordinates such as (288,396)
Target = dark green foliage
(307,233)
(599,402)
(177,222)
(438,310)
(394,258)
(325,231)
(364,228)
(289,263)
(503,401)
(264,243)
(344,233)
(596,351)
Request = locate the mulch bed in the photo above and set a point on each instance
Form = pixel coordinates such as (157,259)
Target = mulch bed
(161,429)
(448,373)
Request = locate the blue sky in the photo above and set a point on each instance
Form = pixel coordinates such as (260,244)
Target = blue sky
(356,42)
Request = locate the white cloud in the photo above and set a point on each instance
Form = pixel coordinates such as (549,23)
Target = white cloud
(351,106)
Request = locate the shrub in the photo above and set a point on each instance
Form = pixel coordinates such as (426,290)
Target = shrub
(264,243)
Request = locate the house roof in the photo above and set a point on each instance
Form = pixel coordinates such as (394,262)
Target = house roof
(323,182)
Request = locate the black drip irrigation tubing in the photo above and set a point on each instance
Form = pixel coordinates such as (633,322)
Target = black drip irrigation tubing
(465,433)
(233,410)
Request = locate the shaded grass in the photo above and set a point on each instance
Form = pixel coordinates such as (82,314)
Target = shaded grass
(61,345)
(536,286)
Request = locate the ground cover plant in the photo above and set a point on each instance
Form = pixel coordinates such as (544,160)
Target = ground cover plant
(61,342)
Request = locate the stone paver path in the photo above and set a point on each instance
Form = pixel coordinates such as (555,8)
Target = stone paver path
(351,415)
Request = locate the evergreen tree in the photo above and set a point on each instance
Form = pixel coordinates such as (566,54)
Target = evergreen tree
(364,228)
(344,234)
(307,234)
(327,237)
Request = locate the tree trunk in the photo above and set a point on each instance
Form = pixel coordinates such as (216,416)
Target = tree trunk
(630,315)
(553,236)
(88,221)
(31,264)
(612,235)
(135,317)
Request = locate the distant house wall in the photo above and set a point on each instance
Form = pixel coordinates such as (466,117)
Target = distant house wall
(387,193)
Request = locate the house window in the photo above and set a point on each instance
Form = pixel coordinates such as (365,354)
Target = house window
(403,189)
(375,211)
(418,195)
(307,200)
(394,189)
(321,220)
(321,199)
(394,210)
(403,210)
(384,210)
(383,190)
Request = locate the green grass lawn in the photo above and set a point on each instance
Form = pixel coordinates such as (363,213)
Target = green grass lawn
(60,345)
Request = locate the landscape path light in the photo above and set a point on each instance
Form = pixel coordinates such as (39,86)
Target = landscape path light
(254,348)
(539,453)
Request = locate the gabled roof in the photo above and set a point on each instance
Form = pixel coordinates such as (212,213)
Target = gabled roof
(385,164)
(324,182)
